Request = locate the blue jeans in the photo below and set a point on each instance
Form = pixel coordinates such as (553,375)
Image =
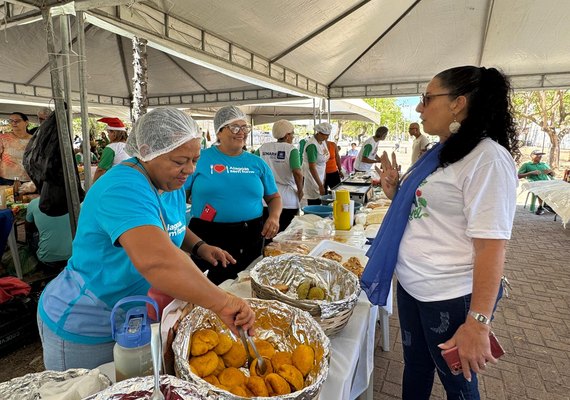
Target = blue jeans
(424,325)
(60,354)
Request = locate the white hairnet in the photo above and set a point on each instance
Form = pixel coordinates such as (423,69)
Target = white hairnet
(281,128)
(324,128)
(227,115)
(160,131)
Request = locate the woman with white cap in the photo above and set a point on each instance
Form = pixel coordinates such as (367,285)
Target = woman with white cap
(114,153)
(227,190)
(283,159)
(316,155)
(131,235)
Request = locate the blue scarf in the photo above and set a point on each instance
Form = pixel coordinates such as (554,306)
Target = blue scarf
(383,253)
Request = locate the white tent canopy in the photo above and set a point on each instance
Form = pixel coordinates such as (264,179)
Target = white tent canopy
(206,52)
(304,109)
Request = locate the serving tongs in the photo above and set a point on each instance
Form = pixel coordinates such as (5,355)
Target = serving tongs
(245,339)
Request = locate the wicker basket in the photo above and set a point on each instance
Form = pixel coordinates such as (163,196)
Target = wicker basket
(332,314)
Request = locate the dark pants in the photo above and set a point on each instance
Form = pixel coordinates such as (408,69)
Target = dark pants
(287,215)
(331,180)
(314,202)
(241,239)
(424,325)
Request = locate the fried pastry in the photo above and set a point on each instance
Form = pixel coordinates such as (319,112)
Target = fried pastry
(205,364)
(353,265)
(224,344)
(212,379)
(292,375)
(277,385)
(220,367)
(332,255)
(264,348)
(239,391)
(236,356)
(303,289)
(279,358)
(303,358)
(257,386)
(254,371)
(283,288)
(203,341)
(231,377)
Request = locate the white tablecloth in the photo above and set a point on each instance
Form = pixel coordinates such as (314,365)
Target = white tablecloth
(352,349)
(556,193)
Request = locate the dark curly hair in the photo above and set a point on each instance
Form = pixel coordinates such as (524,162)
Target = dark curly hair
(489,111)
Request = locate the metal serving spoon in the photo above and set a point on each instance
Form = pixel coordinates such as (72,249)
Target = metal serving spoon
(245,339)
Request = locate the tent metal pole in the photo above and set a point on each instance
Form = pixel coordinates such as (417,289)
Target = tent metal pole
(66,149)
(314,112)
(82,66)
(329,110)
(64,25)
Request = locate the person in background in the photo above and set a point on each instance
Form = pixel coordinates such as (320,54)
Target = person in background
(53,245)
(353,151)
(536,170)
(367,155)
(12,147)
(227,192)
(79,157)
(314,167)
(302,144)
(333,169)
(283,159)
(132,235)
(114,152)
(420,143)
(446,230)
(42,114)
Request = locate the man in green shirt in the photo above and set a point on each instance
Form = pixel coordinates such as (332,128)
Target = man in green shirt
(536,170)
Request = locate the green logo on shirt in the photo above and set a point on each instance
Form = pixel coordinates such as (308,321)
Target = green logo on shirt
(420,204)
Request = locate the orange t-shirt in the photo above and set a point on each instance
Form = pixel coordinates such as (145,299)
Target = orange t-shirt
(331,163)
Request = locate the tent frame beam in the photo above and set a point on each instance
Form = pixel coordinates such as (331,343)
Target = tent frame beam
(518,82)
(194,44)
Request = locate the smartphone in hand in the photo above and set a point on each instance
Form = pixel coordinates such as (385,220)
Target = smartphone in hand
(451,356)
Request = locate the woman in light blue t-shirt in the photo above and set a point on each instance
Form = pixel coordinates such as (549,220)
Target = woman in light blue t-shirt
(132,235)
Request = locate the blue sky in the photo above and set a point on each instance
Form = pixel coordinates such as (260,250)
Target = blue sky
(408,107)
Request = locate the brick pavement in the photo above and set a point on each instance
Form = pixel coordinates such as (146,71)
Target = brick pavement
(533,325)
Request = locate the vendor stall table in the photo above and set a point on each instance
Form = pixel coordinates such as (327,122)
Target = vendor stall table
(556,193)
(352,351)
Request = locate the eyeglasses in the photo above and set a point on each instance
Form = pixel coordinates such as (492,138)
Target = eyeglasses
(236,128)
(425,98)
(15,121)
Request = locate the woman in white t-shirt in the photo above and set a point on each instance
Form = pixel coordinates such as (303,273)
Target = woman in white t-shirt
(114,153)
(446,230)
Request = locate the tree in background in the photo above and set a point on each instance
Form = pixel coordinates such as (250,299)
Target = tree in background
(550,110)
(391,116)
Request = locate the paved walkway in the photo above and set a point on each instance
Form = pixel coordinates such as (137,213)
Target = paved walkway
(533,325)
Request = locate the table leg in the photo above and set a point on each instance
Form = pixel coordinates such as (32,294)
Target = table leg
(15,253)
(532,203)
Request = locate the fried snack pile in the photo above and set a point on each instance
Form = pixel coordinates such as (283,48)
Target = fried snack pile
(219,360)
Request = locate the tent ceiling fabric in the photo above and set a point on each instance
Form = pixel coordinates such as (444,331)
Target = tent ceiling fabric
(335,48)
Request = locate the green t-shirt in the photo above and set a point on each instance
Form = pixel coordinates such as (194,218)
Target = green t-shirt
(530,166)
(107,158)
(312,153)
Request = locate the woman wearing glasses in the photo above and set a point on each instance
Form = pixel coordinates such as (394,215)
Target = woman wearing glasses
(446,230)
(227,190)
(12,147)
